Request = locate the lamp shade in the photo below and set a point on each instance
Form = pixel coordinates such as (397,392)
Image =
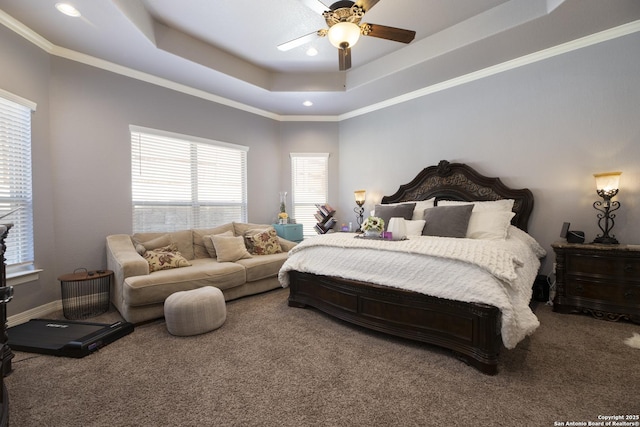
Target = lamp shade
(398,228)
(360,196)
(344,32)
(607,181)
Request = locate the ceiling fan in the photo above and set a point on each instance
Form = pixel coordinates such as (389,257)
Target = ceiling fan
(343,19)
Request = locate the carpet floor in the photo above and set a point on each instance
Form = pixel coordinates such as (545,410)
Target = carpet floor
(273,365)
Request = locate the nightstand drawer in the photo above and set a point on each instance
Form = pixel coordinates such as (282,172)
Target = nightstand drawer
(601,280)
(620,268)
(624,295)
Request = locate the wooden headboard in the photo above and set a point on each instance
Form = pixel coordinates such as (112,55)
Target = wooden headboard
(457,181)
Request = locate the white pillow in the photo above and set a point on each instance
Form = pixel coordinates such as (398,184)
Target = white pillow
(504,205)
(489,225)
(418,210)
(489,220)
(229,248)
(414,227)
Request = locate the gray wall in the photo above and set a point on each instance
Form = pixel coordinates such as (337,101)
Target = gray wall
(25,72)
(310,137)
(548,126)
(81,152)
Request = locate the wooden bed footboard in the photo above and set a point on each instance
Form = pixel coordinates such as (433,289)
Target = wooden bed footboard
(470,330)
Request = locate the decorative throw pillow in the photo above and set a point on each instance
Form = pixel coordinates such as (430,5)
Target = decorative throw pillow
(386,212)
(265,242)
(489,225)
(208,243)
(248,236)
(414,228)
(229,248)
(489,220)
(165,258)
(418,210)
(447,221)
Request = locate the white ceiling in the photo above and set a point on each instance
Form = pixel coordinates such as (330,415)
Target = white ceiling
(225,50)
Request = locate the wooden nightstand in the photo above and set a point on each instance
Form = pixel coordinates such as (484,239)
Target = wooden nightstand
(601,280)
(292,232)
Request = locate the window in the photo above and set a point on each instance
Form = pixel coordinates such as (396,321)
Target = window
(16,203)
(180,182)
(309,183)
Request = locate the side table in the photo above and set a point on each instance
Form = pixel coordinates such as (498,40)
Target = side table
(601,280)
(86,293)
(292,232)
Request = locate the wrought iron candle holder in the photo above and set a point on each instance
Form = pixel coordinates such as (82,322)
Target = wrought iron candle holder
(359,210)
(607,188)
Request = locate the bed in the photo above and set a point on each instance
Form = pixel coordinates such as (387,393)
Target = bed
(470,321)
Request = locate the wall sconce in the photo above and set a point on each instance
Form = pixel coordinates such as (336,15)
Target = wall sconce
(360,198)
(607,187)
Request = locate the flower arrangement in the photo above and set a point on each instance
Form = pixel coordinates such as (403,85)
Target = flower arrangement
(283,215)
(373,223)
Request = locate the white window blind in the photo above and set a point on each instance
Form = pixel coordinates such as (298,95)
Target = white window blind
(16,203)
(310,185)
(180,182)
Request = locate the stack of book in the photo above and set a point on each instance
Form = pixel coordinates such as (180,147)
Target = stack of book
(325,219)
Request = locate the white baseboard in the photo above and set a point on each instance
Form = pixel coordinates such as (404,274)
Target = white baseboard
(34,313)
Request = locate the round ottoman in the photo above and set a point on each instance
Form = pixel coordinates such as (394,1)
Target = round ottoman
(195,312)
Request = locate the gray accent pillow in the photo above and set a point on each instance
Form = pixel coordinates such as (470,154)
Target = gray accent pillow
(386,212)
(447,221)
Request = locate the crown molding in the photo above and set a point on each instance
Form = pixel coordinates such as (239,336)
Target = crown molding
(596,38)
(590,40)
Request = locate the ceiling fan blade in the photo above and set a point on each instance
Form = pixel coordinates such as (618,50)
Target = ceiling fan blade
(366,4)
(315,5)
(388,33)
(344,58)
(291,44)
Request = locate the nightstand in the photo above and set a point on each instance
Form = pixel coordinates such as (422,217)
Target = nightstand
(292,232)
(601,280)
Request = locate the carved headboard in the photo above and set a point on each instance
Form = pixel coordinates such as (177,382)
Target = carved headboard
(457,181)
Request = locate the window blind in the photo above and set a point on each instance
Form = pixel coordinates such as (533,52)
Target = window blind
(180,182)
(16,203)
(310,184)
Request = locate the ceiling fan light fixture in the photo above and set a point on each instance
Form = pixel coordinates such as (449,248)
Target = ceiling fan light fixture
(344,32)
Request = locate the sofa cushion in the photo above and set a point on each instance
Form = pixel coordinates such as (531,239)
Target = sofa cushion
(229,248)
(203,248)
(165,258)
(261,267)
(155,243)
(241,228)
(183,240)
(156,287)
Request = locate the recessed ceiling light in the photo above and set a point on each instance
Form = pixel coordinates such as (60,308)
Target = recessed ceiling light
(67,9)
(307,103)
(312,51)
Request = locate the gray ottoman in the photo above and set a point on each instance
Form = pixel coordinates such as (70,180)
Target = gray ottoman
(195,312)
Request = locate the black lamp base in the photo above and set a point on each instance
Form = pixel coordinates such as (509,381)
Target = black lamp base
(606,240)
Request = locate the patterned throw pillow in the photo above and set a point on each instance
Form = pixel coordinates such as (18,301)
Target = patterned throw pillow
(265,242)
(165,258)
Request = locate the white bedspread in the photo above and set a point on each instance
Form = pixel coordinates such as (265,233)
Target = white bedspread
(498,273)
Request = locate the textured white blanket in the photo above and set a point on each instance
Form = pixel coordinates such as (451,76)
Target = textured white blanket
(496,273)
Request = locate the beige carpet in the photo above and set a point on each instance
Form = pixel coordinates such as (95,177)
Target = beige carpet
(272,365)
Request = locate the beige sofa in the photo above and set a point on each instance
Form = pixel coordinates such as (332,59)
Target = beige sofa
(139,294)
